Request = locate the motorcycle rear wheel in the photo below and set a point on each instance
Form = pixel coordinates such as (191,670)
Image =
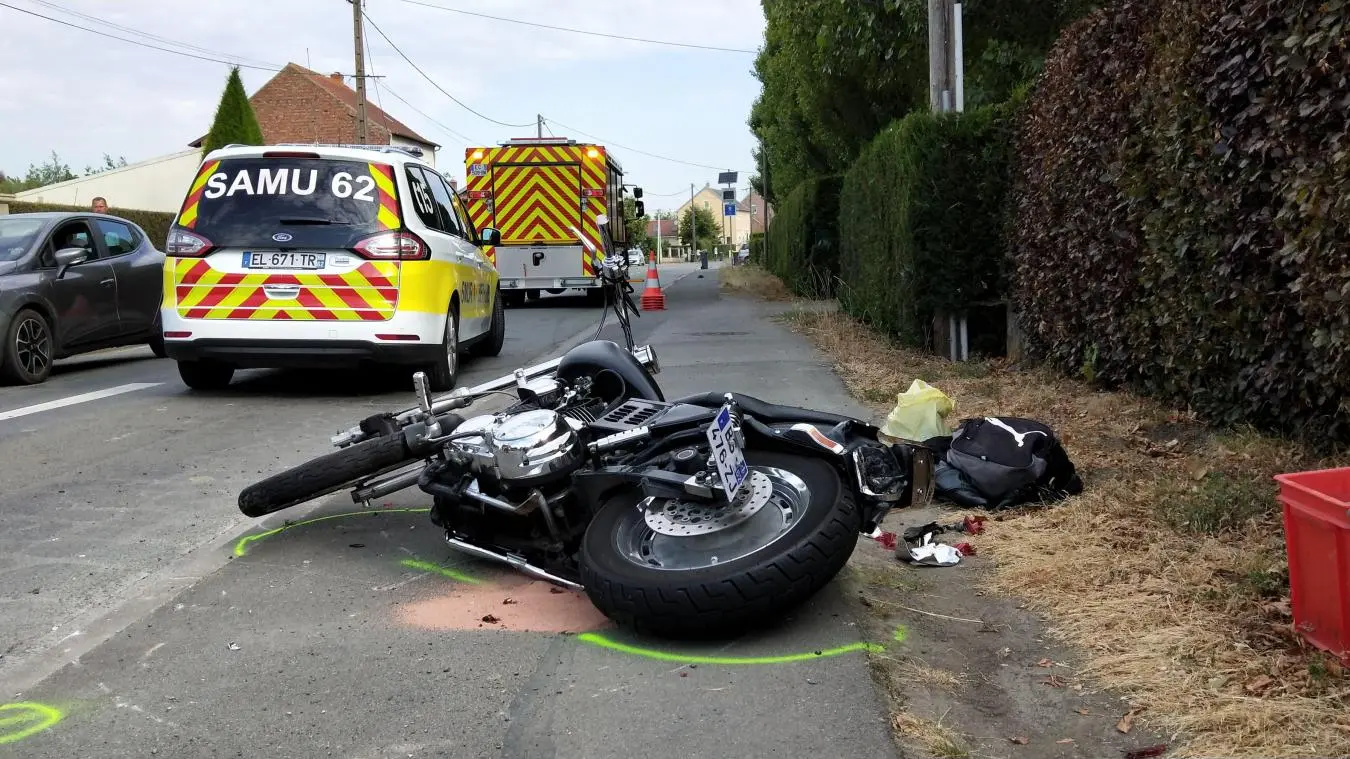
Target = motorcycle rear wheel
(666,590)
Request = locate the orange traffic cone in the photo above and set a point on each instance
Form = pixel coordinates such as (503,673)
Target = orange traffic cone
(653,299)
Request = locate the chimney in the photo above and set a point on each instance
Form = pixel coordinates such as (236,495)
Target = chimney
(336,76)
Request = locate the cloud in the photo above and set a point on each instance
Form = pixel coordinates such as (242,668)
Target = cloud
(83,95)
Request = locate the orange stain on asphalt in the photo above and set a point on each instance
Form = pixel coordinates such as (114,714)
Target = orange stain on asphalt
(517,603)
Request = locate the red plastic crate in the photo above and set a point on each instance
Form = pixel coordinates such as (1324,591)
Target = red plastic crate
(1317,536)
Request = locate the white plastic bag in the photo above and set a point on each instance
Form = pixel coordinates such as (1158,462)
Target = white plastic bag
(920,413)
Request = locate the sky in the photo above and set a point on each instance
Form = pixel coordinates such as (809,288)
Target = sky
(82,95)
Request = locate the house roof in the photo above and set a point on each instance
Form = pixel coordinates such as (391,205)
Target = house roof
(276,115)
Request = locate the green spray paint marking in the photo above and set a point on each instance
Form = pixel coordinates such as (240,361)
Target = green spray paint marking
(596,639)
(427,566)
(241,547)
(32,718)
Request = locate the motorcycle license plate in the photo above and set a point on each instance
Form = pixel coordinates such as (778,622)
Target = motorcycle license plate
(727,453)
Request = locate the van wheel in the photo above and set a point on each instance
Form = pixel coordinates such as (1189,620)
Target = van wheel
(442,374)
(205,375)
(496,336)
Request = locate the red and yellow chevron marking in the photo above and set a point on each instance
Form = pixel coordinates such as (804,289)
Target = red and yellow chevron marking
(537,204)
(368,293)
(188,215)
(387,216)
(594,177)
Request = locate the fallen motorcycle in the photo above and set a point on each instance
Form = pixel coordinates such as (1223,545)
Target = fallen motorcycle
(702,515)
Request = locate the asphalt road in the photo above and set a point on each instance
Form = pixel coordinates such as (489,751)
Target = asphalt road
(141,623)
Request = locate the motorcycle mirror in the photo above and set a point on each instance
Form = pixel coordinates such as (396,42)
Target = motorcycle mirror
(602,220)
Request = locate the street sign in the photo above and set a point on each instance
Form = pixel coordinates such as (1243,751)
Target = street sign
(728,209)
(726,177)
(728,195)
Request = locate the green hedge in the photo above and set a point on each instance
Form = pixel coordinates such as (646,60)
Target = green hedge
(155,223)
(757,247)
(921,220)
(803,238)
(1182,208)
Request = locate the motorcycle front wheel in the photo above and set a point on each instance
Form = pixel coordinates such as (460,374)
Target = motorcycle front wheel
(717,581)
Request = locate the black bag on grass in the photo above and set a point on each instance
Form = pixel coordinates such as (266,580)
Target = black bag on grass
(1008,461)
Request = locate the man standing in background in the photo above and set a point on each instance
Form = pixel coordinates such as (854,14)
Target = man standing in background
(99,205)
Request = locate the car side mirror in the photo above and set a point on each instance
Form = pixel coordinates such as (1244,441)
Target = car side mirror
(490,236)
(68,257)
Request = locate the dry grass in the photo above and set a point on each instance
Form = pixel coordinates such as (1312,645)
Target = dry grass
(1167,571)
(754,280)
(936,738)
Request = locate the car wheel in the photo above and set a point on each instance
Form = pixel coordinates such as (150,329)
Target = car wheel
(492,344)
(29,349)
(157,346)
(442,374)
(205,375)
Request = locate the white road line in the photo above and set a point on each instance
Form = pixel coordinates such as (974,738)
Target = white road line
(74,399)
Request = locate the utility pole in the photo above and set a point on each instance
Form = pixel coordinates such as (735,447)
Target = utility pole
(540,116)
(941,88)
(693,223)
(362,135)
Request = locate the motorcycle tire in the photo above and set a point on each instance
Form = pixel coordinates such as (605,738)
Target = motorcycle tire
(323,475)
(731,597)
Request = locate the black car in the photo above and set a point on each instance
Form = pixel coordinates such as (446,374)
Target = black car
(72,283)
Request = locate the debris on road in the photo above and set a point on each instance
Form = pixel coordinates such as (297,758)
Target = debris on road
(1145,753)
(1126,723)
(233,646)
(1019,740)
(490,619)
(930,554)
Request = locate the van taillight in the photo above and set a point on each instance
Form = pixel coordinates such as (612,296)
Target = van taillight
(185,244)
(393,246)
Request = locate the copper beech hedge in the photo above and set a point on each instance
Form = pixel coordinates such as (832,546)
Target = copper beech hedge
(1180,208)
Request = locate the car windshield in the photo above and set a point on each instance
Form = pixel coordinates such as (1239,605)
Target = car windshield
(293,201)
(17,236)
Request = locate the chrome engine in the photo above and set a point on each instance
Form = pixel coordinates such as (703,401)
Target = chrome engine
(526,448)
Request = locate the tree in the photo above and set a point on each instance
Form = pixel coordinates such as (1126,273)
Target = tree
(235,122)
(709,231)
(834,74)
(637,226)
(108,163)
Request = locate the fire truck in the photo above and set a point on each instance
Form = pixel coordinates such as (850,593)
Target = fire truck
(543,194)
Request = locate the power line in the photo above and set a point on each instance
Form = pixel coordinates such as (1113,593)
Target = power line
(582,31)
(635,150)
(156,37)
(139,42)
(433,81)
(447,129)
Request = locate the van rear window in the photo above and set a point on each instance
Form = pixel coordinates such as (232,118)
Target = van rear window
(256,201)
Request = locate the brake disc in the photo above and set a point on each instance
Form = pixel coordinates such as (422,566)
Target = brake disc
(686,518)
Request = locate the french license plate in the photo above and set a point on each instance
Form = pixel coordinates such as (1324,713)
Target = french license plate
(727,454)
(286,260)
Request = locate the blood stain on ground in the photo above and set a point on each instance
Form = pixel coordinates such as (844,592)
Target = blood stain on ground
(537,607)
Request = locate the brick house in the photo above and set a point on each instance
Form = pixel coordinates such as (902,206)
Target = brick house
(299,105)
